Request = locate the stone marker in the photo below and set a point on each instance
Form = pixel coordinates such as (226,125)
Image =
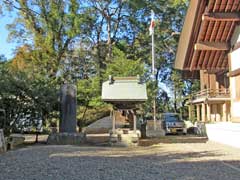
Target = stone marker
(154,133)
(16,140)
(68,108)
(67,128)
(66,139)
(2,142)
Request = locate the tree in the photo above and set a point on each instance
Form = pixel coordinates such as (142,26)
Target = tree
(51,26)
(85,41)
(182,89)
(2,58)
(25,94)
(122,66)
(178,90)
(88,98)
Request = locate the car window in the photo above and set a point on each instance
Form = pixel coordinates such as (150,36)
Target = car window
(172,118)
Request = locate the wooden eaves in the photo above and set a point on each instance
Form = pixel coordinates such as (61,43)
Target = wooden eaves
(206,35)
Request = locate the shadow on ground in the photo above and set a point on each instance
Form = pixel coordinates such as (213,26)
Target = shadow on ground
(93,163)
(173,139)
(103,140)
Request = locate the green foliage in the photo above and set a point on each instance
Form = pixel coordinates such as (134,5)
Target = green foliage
(52,25)
(89,92)
(22,95)
(122,67)
(178,87)
(194,86)
(181,90)
(179,2)
(83,43)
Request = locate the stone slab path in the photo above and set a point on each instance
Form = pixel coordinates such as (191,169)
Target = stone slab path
(160,161)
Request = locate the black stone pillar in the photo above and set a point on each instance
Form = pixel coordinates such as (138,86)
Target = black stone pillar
(68,108)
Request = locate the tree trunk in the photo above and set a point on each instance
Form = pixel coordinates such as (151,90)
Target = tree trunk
(80,123)
(109,42)
(175,101)
(36,140)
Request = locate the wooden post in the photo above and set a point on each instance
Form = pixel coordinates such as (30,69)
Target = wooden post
(215,112)
(134,121)
(203,112)
(209,112)
(113,121)
(198,113)
(224,112)
(190,112)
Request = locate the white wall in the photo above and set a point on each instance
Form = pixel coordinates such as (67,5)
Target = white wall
(235,59)
(235,64)
(224,132)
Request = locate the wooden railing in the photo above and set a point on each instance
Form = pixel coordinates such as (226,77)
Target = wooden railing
(211,93)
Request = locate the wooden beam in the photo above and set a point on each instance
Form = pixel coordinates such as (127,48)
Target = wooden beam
(234,73)
(212,46)
(230,16)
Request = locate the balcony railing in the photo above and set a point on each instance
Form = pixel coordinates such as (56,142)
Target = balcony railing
(211,93)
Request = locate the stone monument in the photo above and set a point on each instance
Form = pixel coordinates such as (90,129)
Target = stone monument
(67,127)
(68,108)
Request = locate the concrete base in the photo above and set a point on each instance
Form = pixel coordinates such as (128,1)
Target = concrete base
(124,137)
(66,139)
(224,132)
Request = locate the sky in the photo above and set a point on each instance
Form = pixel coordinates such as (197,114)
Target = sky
(6,48)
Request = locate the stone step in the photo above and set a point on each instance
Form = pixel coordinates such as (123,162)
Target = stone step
(98,138)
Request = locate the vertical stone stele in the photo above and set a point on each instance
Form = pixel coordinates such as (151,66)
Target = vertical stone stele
(68,124)
(68,102)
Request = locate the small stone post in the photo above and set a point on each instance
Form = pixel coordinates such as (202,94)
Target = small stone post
(3,147)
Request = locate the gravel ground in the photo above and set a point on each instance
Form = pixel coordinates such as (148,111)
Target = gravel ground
(161,161)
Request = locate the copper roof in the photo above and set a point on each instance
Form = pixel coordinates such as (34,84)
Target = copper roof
(124,89)
(213,23)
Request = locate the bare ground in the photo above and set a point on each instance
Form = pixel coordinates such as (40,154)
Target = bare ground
(182,160)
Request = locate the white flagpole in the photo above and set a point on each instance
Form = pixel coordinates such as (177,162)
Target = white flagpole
(153,73)
(153,53)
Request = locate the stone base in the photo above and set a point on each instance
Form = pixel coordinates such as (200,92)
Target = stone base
(201,129)
(15,140)
(155,133)
(124,137)
(151,133)
(66,139)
